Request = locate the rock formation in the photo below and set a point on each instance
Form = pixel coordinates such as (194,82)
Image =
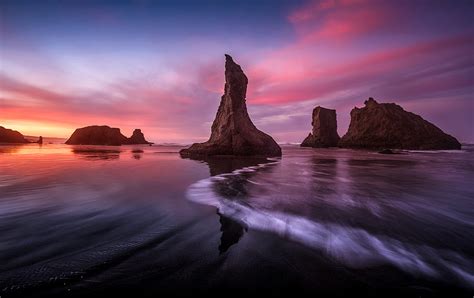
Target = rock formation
(11,136)
(388,125)
(137,138)
(232,132)
(104,135)
(97,135)
(324,132)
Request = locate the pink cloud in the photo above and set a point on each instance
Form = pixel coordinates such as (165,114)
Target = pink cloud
(341,20)
(305,81)
(168,111)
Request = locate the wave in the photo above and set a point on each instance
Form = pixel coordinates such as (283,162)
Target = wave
(353,247)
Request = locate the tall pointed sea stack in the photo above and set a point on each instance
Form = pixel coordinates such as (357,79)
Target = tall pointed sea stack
(232,132)
(324,132)
(388,125)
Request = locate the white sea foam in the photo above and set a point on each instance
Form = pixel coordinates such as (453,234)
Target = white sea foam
(354,247)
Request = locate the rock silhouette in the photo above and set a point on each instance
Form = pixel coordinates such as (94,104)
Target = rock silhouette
(11,136)
(232,132)
(324,132)
(97,135)
(104,135)
(388,125)
(137,138)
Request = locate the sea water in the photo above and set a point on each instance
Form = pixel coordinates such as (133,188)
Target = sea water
(92,219)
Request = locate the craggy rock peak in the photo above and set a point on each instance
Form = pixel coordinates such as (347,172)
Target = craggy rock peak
(232,132)
(104,135)
(137,138)
(388,125)
(11,136)
(324,132)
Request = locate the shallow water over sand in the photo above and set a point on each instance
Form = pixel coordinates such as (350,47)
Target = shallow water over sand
(89,219)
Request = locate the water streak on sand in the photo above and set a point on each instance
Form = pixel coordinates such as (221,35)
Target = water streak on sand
(352,246)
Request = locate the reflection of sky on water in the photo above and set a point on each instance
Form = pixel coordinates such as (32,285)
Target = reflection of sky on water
(80,206)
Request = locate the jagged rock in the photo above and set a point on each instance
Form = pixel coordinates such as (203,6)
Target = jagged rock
(97,135)
(324,132)
(138,138)
(388,125)
(11,136)
(232,132)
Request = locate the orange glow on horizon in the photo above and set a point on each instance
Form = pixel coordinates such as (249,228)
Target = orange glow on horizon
(37,128)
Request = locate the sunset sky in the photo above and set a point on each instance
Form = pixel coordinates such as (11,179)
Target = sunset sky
(159,65)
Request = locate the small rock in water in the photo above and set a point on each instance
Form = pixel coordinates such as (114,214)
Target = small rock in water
(387,151)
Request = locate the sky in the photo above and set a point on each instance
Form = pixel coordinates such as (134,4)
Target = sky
(159,65)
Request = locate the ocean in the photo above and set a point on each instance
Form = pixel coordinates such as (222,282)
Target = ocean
(95,220)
